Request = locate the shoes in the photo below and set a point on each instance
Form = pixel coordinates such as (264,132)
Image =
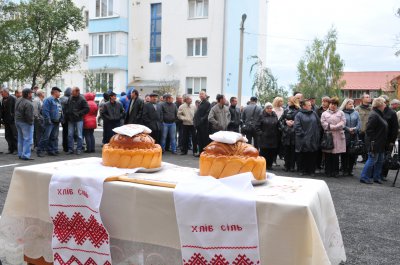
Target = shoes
(302,174)
(87,151)
(78,152)
(378,181)
(51,154)
(350,174)
(286,169)
(9,152)
(70,152)
(27,158)
(40,154)
(384,179)
(196,155)
(15,152)
(183,153)
(366,181)
(174,153)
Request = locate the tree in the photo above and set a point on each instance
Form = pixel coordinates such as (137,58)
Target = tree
(34,41)
(264,83)
(320,69)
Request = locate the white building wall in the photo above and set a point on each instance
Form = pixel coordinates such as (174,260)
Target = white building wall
(176,28)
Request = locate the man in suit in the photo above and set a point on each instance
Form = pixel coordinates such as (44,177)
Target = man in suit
(152,117)
(135,109)
(200,122)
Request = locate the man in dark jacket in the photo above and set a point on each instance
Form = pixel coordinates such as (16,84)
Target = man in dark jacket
(24,124)
(179,124)
(64,101)
(76,108)
(7,114)
(112,114)
(250,115)
(52,116)
(200,122)
(236,121)
(135,109)
(152,117)
(169,115)
(390,117)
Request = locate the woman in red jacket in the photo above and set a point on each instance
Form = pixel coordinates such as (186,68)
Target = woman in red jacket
(89,123)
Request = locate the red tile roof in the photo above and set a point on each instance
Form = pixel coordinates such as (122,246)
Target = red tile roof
(369,80)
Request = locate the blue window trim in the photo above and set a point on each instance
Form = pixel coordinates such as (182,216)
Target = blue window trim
(155,51)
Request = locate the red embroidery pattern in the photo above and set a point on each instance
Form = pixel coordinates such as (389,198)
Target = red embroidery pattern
(213,248)
(73,259)
(80,229)
(198,259)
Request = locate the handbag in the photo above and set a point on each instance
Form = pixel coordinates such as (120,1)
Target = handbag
(327,140)
(357,147)
(249,126)
(391,161)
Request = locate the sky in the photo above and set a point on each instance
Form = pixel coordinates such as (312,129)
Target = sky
(294,24)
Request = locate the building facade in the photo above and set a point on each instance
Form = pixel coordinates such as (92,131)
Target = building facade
(154,45)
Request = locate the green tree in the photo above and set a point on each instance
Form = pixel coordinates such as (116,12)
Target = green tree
(34,41)
(265,85)
(321,68)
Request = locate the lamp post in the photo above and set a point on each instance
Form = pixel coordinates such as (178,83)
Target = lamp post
(244,16)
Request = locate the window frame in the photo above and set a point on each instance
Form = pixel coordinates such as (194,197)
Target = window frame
(155,33)
(99,82)
(104,8)
(202,84)
(108,49)
(203,53)
(197,4)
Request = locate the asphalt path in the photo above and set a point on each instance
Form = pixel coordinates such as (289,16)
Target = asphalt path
(369,215)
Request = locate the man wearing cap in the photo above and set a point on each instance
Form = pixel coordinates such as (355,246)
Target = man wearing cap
(169,117)
(152,117)
(52,116)
(113,113)
(24,124)
(76,108)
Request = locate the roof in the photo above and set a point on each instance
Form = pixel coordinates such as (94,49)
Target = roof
(370,80)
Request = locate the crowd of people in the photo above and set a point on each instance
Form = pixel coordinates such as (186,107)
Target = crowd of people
(291,131)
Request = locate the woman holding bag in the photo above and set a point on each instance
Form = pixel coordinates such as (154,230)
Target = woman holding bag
(334,120)
(351,129)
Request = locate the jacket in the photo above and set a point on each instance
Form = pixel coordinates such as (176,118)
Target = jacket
(393,125)
(152,116)
(113,111)
(169,112)
(336,122)
(376,132)
(307,131)
(236,120)
(24,110)
(186,113)
(219,118)
(37,108)
(76,108)
(201,115)
(89,120)
(64,101)
(267,129)
(251,112)
(363,111)
(352,121)
(288,135)
(8,110)
(135,116)
(52,110)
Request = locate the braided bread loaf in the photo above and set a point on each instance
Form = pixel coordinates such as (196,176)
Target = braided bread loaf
(131,152)
(222,160)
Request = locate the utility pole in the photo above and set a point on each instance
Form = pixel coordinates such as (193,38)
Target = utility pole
(244,16)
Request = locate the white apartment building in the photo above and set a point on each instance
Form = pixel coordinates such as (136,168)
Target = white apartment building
(191,45)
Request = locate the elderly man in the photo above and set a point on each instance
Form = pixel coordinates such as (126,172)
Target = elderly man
(186,114)
(219,116)
(24,124)
(200,121)
(76,108)
(364,110)
(52,116)
(8,119)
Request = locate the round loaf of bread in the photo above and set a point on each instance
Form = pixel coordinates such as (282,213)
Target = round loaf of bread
(223,160)
(132,152)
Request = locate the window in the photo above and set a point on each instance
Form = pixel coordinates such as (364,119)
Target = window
(104,8)
(86,16)
(155,33)
(104,81)
(196,84)
(197,47)
(103,44)
(85,52)
(198,8)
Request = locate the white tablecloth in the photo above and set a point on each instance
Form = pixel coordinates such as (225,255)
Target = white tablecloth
(296,217)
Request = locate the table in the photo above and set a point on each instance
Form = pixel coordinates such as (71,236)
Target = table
(296,218)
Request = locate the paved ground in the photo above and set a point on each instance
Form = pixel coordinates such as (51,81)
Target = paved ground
(369,215)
